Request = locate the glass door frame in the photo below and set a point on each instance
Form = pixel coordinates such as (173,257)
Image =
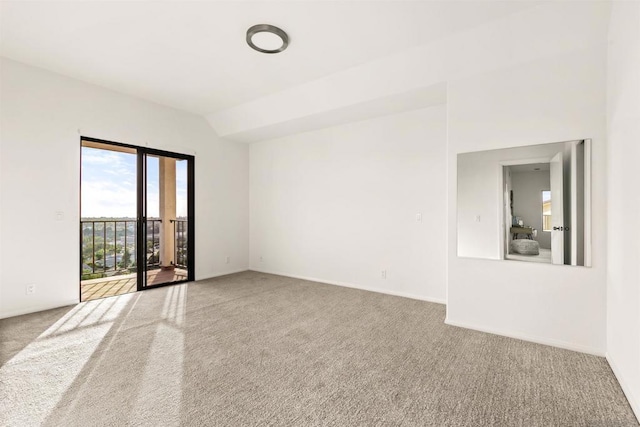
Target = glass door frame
(141,258)
(141,220)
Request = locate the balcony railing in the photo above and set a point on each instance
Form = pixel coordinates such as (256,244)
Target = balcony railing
(153,242)
(109,246)
(180,231)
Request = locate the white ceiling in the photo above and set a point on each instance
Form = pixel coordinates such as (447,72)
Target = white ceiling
(193,55)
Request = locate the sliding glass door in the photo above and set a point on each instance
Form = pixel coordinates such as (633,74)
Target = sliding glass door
(136,229)
(108,220)
(165,205)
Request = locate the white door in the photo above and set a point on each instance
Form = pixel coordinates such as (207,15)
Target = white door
(557,211)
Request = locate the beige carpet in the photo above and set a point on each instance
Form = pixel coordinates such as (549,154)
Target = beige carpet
(544,256)
(256,349)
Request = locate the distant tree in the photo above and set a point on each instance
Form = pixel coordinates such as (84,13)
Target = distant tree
(87,245)
(109,248)
(126,259)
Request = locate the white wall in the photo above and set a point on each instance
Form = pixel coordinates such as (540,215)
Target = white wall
(518,85)
(339,204)
(42,117)
(623,292)
(552,99)
(527,201)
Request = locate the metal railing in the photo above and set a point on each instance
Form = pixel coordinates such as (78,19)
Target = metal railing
(109,246)
(154,229)
(180,231)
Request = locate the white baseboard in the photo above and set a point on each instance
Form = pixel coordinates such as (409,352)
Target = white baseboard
(530,338)
(37,308)
(354,286)
(43,307)
(223,273)
(633,401)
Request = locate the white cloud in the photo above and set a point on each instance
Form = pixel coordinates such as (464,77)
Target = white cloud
(109,185)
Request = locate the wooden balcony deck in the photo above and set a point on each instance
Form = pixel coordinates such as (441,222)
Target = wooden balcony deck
(119,285)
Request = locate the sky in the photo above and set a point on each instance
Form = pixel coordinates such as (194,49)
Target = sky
(109,185)
(546,197)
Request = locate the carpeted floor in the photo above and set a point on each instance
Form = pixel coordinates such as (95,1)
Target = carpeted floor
(544,256)
(257,349)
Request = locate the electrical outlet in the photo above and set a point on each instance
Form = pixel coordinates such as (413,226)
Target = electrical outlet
(384,274)
(419,217)
(261,259)
(226,260)
(30,289)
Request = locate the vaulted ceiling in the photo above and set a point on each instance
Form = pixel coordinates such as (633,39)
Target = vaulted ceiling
(193,56)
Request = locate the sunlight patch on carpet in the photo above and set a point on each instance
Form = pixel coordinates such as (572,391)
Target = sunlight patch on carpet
(35,379)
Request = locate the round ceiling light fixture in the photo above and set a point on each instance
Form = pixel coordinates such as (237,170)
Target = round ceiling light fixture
(267,38)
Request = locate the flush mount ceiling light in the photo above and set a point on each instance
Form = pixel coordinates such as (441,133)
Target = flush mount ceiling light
(267,38)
